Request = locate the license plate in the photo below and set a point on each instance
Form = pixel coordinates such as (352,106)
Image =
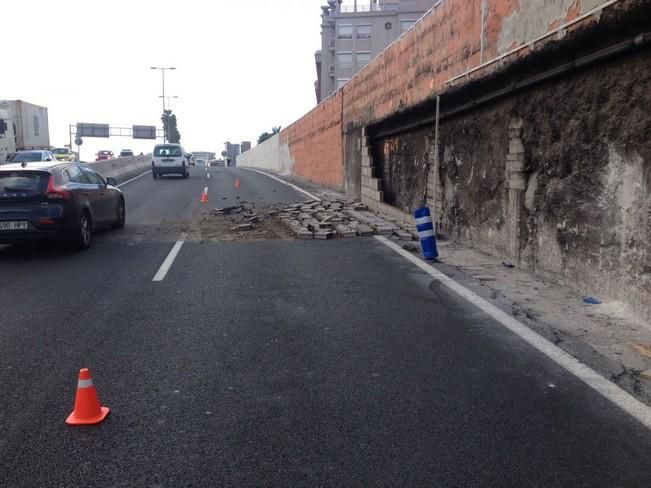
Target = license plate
(13,226)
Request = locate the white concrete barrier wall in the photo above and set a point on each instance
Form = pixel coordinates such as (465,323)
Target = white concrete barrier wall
(122,168)
(271,155)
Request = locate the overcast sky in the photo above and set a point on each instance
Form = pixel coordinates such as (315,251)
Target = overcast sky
(243,66)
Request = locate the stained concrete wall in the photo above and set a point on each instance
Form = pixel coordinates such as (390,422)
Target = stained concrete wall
(562,187)
(402,165)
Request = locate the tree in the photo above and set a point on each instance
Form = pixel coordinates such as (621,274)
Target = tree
(172,133)
(266,135)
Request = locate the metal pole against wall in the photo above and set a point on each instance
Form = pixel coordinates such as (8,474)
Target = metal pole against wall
(436,126)
(481,40)
(434,174)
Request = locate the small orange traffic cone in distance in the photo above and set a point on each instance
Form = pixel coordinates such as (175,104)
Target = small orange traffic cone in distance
(204,196)
(88,410)
(237,182)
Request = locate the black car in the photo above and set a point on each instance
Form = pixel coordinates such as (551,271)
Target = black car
(50,200)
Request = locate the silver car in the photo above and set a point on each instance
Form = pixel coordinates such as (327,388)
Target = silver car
(31,156)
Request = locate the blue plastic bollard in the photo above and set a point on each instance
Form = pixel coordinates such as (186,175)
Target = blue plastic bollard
(426,233)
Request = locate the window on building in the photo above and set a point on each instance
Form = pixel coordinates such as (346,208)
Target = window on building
(364,31)
(341,82)
(345,31)
(363,58)
(345,60)
(405,25)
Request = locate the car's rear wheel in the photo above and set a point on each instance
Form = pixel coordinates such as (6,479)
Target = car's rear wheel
(122,215)
(82,237)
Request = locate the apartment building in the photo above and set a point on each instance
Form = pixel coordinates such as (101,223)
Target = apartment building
(354,33)
(232,152)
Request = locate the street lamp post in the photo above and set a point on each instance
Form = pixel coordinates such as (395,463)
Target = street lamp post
(163,77)
(168,98)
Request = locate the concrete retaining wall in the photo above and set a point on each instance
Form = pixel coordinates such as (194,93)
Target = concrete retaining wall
(552,175)
(122,169)
(454,38)
(271,154)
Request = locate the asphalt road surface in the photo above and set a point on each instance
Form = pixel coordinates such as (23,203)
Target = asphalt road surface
(279,363)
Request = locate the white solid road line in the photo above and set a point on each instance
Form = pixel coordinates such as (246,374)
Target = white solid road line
(606,388)
(134,179)
(313,197)
(169,260)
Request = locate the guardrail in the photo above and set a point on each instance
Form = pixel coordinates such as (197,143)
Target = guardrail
(368,7)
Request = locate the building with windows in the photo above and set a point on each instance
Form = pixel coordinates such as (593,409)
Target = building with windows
(245,146)
(204,155)
(232,152)
(354,33)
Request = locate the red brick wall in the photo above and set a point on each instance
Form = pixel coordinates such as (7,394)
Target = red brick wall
(417,67)
(315,144)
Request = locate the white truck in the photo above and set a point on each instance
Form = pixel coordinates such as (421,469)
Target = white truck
(23,125)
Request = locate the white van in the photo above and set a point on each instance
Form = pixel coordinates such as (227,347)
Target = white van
(169,159)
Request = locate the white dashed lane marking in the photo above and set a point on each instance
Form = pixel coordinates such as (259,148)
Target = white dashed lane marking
(169,260)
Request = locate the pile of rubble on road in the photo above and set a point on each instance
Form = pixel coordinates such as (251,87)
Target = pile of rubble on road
(243,215)
(315,219)
(241,221)
(326,219)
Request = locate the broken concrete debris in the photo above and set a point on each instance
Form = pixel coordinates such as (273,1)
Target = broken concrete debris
(403,235)
(243,227)
(234,209)
(345,231)
(304,233)
(484,277)
(323,234)
(322,220)
(411,247)
(326,219)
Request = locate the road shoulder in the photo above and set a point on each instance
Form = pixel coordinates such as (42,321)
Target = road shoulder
(607,337)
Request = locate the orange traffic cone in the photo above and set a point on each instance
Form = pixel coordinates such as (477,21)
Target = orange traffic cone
(204,195)
(237,182)
(87,410)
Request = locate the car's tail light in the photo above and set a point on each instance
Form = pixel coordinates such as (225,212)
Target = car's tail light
(54,193)
(46,221)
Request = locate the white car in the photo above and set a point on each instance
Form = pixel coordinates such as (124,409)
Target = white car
(169,159)
(31,156)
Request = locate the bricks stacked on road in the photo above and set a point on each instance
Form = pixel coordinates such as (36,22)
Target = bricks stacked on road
(317,219)
(327,219)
